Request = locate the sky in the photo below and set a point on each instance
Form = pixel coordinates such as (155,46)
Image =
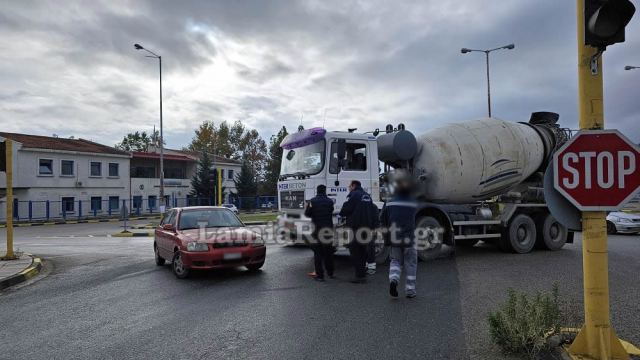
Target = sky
(70,68)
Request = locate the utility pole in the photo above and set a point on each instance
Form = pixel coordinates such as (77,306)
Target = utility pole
(596,339)
(8,164)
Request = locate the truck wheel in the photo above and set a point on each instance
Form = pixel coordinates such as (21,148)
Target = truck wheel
(520,236)
(552,235)
(429,239)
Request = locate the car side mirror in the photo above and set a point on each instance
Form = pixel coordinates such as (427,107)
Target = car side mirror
(168,227)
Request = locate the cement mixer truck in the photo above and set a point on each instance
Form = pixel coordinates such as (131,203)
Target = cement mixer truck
(479,180)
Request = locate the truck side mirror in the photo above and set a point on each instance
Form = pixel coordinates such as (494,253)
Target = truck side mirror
(342,150)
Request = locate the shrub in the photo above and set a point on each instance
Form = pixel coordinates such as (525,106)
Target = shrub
(522,324)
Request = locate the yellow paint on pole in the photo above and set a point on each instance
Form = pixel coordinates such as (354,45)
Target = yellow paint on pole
(596,339)
(9,176)
(219,185)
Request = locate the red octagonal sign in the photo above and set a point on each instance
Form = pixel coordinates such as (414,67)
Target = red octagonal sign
(598,170)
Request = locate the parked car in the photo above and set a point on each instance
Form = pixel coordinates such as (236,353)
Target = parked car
(231,207)
(622,222)
(206,237)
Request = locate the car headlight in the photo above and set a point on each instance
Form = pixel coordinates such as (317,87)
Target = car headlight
(197,246)
(258,241)
(624,220)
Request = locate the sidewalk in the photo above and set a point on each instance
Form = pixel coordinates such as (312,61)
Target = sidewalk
(13,272)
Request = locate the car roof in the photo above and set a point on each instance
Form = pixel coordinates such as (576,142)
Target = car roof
(201,208)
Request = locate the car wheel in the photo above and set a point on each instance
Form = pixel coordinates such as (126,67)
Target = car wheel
(611,228)
(430,242)
(179,270)
(255,267)
(551,234)
(159,259)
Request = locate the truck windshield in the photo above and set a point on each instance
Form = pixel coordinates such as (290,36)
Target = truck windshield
(305,160)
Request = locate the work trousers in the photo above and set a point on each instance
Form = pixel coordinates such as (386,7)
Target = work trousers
(358,253)
(407,256)
(323,259)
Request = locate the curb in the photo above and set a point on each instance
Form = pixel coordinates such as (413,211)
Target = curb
(86,221)
(133,234)
(24,275)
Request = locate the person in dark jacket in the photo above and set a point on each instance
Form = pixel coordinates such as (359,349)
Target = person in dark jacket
(399,215)
(361,220)
(320,210)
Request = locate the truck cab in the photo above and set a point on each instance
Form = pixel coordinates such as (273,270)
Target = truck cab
(310,158)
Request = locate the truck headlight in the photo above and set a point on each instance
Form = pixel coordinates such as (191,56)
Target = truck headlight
(196,246)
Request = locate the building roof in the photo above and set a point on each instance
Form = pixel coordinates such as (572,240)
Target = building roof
(64,144)
(153,155)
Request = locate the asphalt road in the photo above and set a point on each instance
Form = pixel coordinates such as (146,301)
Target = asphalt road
(104,297)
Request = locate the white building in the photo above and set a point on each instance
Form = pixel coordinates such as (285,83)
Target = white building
(179,168)
(58,177)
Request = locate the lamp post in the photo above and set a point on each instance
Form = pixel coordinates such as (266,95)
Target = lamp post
(156,56)
(486,52)
(629,67)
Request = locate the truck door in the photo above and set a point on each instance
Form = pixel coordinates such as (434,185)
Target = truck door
(356,167)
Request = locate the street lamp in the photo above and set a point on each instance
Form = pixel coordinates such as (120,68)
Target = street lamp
(628,67)
(156,56)
(486,52)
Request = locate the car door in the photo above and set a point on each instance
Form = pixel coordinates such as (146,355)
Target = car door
(164,237)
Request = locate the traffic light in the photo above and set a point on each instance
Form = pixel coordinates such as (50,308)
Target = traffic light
(3,156)
(605,20)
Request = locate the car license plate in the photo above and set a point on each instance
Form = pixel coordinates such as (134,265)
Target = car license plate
(232,256)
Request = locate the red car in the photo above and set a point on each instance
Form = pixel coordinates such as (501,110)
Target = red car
(206,237)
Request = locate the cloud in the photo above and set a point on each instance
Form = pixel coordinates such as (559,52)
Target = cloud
(272,63)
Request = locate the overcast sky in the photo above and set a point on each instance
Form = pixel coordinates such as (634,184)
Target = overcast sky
(69,68)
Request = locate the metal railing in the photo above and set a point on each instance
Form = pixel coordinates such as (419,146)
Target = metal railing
(45,210)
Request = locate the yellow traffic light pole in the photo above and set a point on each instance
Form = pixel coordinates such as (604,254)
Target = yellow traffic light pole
(596,339)
(9,176)
(219,186)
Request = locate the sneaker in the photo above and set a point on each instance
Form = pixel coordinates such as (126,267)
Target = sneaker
(393,289)
(411,295)
(371,271)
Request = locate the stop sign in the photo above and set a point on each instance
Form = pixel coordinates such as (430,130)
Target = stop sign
(597,170)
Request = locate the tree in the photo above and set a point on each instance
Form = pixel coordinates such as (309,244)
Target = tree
(136,141)
(234,142)
(246,183)
(200,181)
(272,171)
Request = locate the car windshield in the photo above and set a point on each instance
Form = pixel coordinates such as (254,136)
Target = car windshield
(209,218)
(306,160)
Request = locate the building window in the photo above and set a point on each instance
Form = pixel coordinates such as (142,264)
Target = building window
(96,203)
(96,168)
(137,202)
(355,158)
(147,172)
(68,204)
(45,167)
(174,173)
(152,201)
(114,202)
(230,174)
(114,170)
(66,167)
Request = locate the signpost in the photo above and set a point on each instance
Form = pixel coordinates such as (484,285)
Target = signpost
(7,167)
(596,163)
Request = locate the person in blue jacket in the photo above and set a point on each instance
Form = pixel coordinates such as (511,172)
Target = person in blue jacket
(399,216)
(361,220)
(320,210)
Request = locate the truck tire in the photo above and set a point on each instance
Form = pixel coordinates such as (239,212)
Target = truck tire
(429,246)
(520,235)
(551,234)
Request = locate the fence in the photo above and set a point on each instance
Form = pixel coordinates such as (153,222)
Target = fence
(45,210)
